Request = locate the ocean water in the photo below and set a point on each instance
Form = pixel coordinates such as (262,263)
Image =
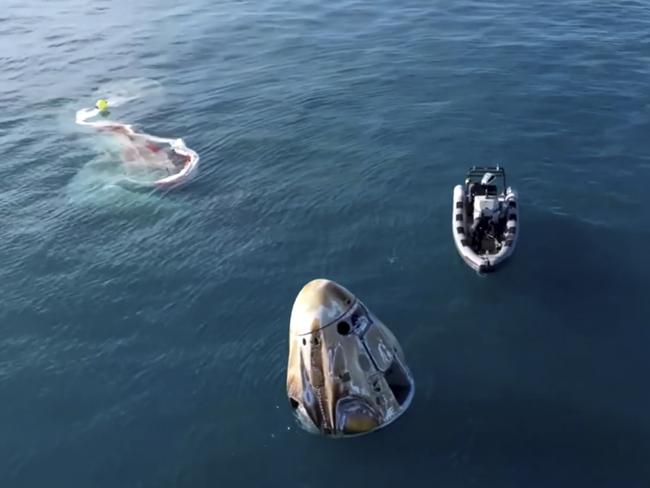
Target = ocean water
(143,337)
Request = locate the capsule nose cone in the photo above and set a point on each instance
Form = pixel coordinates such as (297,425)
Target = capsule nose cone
(319,303)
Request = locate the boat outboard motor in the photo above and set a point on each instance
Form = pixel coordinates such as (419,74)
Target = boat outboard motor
(487,179)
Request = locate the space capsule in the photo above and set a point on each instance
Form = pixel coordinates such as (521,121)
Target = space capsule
(347,374)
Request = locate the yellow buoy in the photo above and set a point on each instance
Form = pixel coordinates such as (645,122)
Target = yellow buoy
(102,104)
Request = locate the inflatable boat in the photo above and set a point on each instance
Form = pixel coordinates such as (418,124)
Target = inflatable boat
(485,218)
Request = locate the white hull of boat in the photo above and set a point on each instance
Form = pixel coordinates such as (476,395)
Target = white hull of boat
(461,228)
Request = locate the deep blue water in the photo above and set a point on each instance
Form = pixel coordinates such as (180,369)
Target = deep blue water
(143,338)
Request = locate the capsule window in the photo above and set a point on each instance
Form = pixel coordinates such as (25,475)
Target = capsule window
(364,362)
(343,328)
(294,403)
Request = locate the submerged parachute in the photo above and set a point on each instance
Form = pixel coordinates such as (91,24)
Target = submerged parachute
(152,162)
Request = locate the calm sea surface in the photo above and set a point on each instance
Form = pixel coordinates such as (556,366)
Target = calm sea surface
(143,337)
